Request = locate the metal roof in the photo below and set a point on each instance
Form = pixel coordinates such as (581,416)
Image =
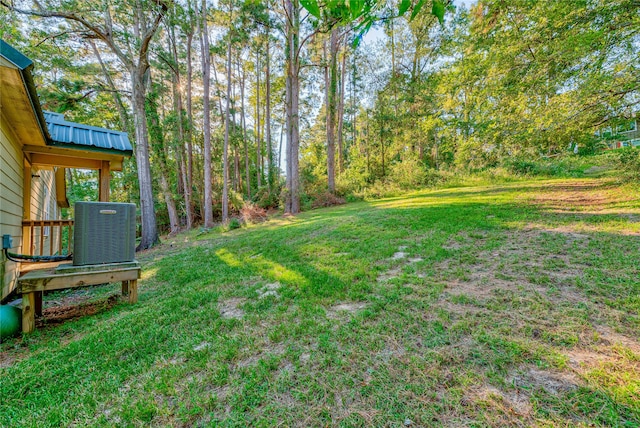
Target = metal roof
(86,137)
(59,132)
(14,56)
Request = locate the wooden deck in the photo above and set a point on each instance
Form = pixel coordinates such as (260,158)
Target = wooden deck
(33,283)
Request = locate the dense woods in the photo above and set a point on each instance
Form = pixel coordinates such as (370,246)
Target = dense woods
(250,105)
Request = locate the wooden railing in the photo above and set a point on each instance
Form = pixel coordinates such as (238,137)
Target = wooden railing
(47,237)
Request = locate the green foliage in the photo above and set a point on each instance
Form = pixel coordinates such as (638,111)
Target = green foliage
(568,165)
(312,7)
(472,154)
(437,10)
(234,223)
(628,161)
(236,202)
(267,198)
(408,174)
(523,167)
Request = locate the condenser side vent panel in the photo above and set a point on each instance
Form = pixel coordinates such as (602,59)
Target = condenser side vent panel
(104,232)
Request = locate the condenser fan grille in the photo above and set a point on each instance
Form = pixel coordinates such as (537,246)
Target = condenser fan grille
(104,232)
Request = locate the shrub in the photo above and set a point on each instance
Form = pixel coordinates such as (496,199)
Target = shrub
(522,167)
(434,177)
(326,199)
(236,202)
(252,213)
(382,189)
(628,161)
(408,174)
(266,199)
(234,223)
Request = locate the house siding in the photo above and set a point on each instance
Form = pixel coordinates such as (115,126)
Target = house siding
(11,189)
(43,205)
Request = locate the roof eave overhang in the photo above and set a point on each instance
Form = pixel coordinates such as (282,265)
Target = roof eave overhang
(71,158)
(25,65)
(91,149)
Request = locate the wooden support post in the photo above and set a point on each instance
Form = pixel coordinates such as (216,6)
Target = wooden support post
(38,303)
(104,179)
(28,312)
(133,291)
(125,287)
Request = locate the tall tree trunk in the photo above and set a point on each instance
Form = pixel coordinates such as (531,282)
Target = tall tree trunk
(257,127)
(354,128)
(206,76)
(232,147)
(247,170)
(225,151)
(382,148)
(366,142)
(159,148)
(332,89)
(292,202)
(180,137)
(282,129)
(189,181)
(218,96)
(149,238)
(238,177)
(267,118)
(341,112)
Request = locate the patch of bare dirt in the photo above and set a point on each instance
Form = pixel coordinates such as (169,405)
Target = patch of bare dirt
(457,352)
(231,308)
(347,402)
(610,337)
(60,314)
(392,349)
(460,308)
(585,358)
(464,239)
(514,400)
(521,264)
(201,346)
(513,404)
(276,349)
(474,287)
(337,311)
(7,359)
(284,399)
(269,290)
(402,255)
(593,196)
(390,274)
(529,379)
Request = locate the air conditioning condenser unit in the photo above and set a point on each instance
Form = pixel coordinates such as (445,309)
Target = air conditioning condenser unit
(104,232)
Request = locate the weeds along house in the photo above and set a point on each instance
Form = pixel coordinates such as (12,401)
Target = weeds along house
(35,149)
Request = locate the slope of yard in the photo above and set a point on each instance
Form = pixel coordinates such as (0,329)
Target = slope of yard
(515,304)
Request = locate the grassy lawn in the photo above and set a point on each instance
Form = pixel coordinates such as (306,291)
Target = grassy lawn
(515,304)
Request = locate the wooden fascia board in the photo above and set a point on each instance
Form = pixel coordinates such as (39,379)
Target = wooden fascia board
(64,161)
(70,158)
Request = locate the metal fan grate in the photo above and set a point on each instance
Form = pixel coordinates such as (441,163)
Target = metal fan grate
(104,232)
